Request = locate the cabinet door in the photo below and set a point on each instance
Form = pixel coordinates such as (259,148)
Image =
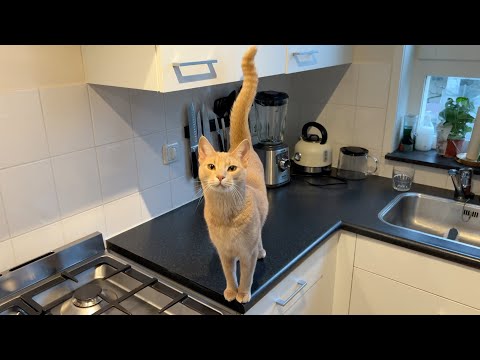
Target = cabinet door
(442,277)
(318,299)
(308,273)
(212,64)
(309,57)
(129,66)
(373,294)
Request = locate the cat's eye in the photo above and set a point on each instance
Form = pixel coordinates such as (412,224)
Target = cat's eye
(211,166)
(232,168)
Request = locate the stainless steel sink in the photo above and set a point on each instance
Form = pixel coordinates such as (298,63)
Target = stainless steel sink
(434,215)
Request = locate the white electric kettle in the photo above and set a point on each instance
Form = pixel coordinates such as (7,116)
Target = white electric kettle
(312,154)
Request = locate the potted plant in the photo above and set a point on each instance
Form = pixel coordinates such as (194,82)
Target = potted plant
(457,115)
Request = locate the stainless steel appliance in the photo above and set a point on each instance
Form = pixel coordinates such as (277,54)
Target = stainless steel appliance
(312,153)
(353,163)
(84,278)
(271,114)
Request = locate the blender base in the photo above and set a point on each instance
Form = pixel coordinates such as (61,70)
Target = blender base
(276,163)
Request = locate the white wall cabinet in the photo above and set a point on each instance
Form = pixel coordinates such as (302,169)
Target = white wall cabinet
(311,283)
(168,68)
(309,57)
(390,279)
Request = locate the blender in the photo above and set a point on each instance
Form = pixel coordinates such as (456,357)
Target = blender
(271,115)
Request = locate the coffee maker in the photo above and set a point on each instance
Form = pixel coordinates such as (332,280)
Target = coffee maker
(271,113)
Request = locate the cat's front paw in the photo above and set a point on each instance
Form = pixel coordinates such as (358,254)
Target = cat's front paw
(261,254)
(229,294)
(243,297)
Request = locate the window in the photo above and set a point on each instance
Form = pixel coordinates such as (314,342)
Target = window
(438,89)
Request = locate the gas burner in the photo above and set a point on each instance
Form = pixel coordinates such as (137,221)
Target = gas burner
(87,300)
(87,296)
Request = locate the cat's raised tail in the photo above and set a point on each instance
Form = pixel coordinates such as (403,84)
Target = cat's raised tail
(239,129)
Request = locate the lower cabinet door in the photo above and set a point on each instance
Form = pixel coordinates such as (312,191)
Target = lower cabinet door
(318,269)
(375,294)
(316,301)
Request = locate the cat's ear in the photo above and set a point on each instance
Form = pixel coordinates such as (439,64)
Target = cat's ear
(205,149)
(242,151)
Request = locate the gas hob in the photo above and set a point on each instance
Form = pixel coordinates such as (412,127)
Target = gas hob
(84,278)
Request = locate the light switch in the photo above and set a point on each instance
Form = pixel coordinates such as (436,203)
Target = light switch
(169,153)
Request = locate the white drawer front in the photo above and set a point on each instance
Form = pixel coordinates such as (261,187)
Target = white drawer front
(310,271)
(445,278)
(309,57)
(376,295)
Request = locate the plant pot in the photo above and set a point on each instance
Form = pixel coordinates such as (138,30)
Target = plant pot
(454,147)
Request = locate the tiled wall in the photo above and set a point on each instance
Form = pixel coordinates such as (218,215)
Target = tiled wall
(80,158)
(355,114)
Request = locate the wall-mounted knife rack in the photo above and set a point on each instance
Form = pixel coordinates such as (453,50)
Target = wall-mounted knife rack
(213,127)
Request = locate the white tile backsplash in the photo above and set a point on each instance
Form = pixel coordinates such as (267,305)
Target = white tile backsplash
(156,201)
(7,258)
(148,112)
(38,242)
(4,233)
(111,113)
(83,224)
(22,131)
(151,169)
(429,176)
(176,108)
(118,170)
(29,196)
(346,91)
(122,214)
(368,131)
(184,190)
(339,122)
(66,111)
(373,84)
(77,182)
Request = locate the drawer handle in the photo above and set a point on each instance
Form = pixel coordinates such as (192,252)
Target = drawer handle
(282,302)
(211,74)
(190,63)
(300,53)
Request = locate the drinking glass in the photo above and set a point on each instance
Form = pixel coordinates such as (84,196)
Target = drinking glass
(402,178)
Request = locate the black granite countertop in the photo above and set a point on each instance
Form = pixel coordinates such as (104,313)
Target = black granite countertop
(177,245)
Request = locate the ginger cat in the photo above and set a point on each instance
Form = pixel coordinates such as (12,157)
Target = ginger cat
(236,203)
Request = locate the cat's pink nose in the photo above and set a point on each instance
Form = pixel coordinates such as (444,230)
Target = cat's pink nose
(220,177)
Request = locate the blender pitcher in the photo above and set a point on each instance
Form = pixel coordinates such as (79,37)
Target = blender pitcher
(271,114)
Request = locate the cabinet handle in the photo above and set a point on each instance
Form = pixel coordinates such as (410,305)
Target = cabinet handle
(300,53)
(211,74)
(189,63)
(282,302)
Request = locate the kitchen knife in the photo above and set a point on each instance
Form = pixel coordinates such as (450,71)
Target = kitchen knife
(206,124)
(219,134)
(225,135)
(192,129)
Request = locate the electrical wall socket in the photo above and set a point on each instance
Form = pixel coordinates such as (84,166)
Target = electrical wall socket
(169,152)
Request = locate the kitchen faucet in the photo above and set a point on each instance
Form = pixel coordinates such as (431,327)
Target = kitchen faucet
(462,181)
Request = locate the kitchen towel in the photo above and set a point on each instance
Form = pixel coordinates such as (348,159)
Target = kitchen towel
(474,145)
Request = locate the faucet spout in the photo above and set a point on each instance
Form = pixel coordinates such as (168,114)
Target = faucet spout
(462,182)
